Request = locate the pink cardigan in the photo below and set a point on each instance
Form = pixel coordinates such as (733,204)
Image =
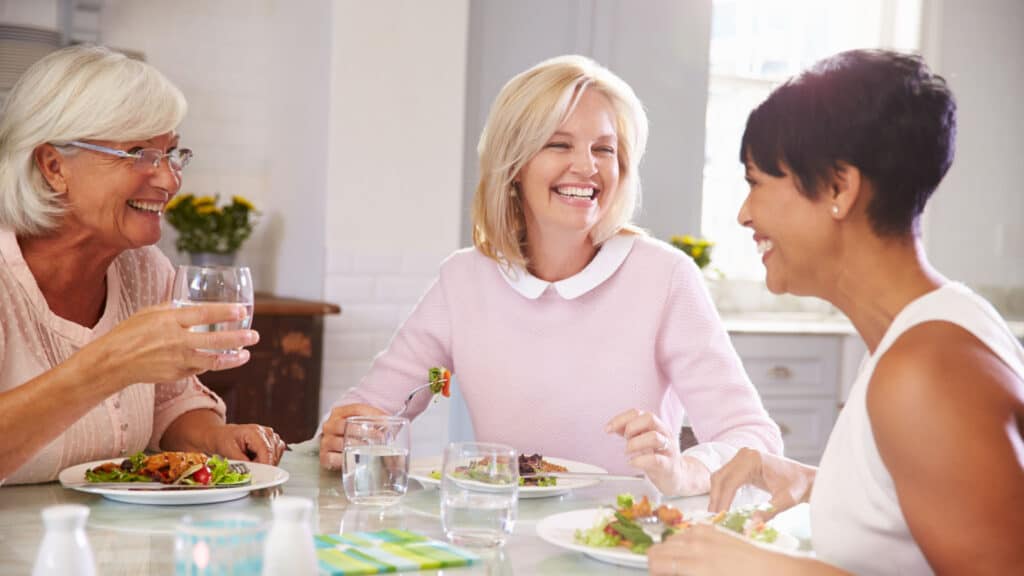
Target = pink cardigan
(33,339)
(544,366)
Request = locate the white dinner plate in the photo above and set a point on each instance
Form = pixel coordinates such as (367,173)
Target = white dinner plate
(420,471)
(560,530)
(263,476)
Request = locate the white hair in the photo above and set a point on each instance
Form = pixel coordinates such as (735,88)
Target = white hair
(79,93)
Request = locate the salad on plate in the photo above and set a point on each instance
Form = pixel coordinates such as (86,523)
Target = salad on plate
(636,526)
(188,468)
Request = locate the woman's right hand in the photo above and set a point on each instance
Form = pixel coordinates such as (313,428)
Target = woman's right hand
(332,440)
(155,344)
(788,481)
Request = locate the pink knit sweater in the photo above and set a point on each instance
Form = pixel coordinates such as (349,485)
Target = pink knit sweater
(33,339)
(543,367)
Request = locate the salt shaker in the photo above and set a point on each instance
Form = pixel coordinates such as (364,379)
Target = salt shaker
(65,550)
(289,547)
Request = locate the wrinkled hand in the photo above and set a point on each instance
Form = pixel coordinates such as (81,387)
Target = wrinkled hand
(250,442)
(703,550)
(155,344)
(652,447)
(332,442)
(789,482)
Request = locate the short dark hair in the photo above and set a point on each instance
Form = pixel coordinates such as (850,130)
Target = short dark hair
(884,112)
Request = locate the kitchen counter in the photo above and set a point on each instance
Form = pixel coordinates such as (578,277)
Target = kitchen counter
(808,323)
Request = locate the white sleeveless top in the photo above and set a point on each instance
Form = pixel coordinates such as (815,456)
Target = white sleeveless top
(856,519)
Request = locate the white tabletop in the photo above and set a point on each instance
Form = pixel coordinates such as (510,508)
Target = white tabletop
(138,539)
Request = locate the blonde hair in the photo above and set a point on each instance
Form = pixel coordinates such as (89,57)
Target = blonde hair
(527,111)
(79,93)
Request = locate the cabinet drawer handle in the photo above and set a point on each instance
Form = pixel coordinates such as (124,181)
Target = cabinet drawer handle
(780,372)
(784,429)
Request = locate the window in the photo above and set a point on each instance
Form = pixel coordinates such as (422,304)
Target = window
(755,45)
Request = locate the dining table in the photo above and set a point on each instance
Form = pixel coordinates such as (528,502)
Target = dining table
(139,539)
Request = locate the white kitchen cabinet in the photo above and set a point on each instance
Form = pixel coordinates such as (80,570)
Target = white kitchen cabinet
(800,377)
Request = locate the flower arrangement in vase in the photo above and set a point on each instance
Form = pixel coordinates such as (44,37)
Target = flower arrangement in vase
(209,232)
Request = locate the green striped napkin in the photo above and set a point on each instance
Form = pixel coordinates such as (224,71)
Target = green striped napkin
(386,551)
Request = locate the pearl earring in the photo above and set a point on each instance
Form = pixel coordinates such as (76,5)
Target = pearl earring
(835,209)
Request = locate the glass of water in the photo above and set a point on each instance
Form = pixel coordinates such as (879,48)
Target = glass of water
(375,468)
(202,285)
(479,493)
(208,545)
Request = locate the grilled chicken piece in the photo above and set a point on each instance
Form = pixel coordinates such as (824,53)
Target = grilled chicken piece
(167,467)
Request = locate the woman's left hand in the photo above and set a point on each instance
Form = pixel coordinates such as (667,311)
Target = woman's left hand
(250,442)
(702,550)
(652,447)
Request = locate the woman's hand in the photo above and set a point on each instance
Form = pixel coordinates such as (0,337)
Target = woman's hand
(652,447)
(250,442)
(703,550)
(789,482)
(155,345)
(332,441)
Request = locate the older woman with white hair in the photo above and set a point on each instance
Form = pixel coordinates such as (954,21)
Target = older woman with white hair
(564,314)
(93,363)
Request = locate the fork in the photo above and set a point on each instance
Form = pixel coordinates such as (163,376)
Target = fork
(417,390)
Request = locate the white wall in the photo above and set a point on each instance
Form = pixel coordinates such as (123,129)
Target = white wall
(395,175)
(975,222)
(255,74)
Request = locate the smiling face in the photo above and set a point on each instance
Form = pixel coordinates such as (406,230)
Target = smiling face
(568,185)
(111,201)
(794,234)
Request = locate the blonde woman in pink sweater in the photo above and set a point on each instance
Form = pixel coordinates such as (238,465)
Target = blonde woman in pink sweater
(93,363)
(571,332)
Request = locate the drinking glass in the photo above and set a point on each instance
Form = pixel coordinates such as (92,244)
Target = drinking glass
(375,468)
(219,544)
(202,285)
(479,493)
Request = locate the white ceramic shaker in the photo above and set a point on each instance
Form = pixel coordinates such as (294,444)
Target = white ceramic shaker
(65,550)
(289,547)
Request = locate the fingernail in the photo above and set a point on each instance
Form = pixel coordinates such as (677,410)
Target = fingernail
(252,337)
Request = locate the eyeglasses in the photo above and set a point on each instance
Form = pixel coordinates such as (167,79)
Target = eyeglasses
(146,159)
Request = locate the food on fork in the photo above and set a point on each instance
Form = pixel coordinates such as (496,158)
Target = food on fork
(440,379)
(188,468)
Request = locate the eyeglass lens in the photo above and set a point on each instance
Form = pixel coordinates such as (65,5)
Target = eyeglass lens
(149,158)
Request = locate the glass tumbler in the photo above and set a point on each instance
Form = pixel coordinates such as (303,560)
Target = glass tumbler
(375,468)
(201,285)
(479,493)
(219,544)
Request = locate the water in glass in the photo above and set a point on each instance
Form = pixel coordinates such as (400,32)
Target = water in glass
(203,285)
(375,467)
(479,493)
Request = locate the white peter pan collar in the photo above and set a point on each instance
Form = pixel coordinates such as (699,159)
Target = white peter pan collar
(609,257)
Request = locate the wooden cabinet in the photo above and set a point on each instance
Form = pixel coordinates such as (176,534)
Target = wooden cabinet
(280,385)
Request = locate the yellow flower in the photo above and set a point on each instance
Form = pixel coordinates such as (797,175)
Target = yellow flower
(206,209)
(697,251)
(204,200)
(177,200)
(243,202)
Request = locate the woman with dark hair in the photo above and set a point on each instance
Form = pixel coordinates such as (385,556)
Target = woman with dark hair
(841,162)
